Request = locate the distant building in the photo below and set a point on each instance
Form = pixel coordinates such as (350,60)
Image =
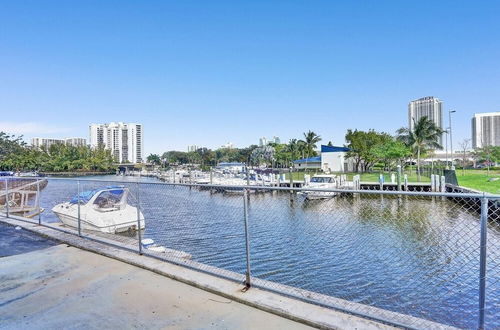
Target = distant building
(192,148)
(125,140)
(228,145)
(331,159)
(75,141)
(263,141)
(45,143)
(430,107)
(486,129)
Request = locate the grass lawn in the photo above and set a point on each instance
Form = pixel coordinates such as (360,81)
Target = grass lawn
(478,180)
(474,179)
(365,177)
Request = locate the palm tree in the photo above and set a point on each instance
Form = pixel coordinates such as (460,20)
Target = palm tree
(424,136)
(310,140)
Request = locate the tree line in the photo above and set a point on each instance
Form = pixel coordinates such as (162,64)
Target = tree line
(272,154)
(16,155)
(367,150)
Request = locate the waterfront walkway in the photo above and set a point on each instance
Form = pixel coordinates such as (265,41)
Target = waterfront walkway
(64,287)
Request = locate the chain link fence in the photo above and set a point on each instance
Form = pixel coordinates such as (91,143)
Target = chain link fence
(411,259)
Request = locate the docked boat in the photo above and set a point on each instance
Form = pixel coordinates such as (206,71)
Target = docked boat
(317,182)
(105,210)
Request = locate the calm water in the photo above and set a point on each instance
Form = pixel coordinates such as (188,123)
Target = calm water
(417,256)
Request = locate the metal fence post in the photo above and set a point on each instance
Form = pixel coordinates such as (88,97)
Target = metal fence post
(139,218)
(79,217)
(247,238)
(482,261)
(38,202)
(7,197)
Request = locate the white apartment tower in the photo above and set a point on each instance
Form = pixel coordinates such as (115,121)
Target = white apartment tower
(125,140)
(486,129)
(430,107)
(45,143)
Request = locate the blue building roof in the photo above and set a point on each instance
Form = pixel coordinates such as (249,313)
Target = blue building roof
(308,160)
(333,149)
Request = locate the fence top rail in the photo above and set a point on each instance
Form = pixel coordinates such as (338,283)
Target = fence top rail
(270,188)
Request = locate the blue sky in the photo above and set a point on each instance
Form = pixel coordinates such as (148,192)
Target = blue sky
(212,72)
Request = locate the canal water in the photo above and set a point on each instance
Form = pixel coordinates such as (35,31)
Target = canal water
(413,255)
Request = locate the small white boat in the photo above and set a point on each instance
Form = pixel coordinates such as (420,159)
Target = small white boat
(324,181)
(105,210)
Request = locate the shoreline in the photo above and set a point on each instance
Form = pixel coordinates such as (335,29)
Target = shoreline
(70,174)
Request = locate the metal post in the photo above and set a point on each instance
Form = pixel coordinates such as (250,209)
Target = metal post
(139,218)
(248,175)
(38,202)
(451,140)
(79,217)
(399,177)
(446,132)
(482,261)
(7,197)
(247,237)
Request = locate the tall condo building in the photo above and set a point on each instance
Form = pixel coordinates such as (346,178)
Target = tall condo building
(45,143)
(486,129)
(75,141)
(430,107)
(125,140)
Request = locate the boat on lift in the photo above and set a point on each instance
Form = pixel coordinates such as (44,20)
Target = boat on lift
(317,182)
(105,210)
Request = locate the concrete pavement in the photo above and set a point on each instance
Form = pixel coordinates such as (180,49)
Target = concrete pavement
(63,287)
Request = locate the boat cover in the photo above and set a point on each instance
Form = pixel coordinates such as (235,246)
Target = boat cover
(85,196)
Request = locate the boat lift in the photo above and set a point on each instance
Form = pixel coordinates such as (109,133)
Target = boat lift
(23,200)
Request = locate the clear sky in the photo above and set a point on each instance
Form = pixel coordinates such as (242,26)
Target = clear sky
(212,72)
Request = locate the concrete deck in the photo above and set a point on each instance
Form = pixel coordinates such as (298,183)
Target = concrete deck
(112,287)
(65,287)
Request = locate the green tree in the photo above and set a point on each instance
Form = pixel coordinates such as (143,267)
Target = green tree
(488,154)
(310,141)
(362,146)
(423,137)
(391,153)
(153,159)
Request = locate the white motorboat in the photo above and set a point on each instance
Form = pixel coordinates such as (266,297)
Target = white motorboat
(324,181)
(105,210)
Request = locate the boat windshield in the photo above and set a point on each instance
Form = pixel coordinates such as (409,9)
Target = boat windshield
(317,179)
(109,200)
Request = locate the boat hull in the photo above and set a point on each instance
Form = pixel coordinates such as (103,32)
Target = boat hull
(106,222)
